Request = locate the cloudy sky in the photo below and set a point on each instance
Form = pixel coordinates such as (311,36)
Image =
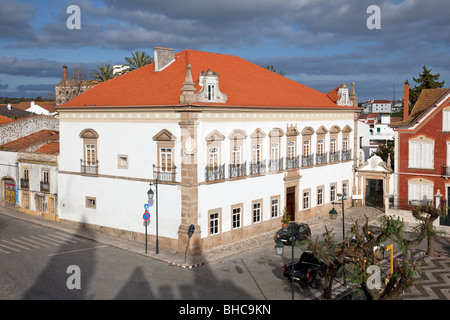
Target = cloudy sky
(319,43)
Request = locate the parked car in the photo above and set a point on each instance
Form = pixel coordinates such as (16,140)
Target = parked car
(297,229)
(308,270)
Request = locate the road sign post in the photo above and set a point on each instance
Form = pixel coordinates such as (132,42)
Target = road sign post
(146,217)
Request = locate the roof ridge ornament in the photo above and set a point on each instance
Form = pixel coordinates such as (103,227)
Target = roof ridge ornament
(188,88)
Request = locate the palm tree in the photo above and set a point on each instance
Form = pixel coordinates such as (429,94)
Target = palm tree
(138,60)
(104,72)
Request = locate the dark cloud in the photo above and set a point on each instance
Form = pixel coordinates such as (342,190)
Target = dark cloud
(14,20)
(36,87)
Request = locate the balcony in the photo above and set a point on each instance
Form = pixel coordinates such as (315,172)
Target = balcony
(293,162)
(321,158)
(276,165)
(237,170)
(24,183)
(167,174)
(347,155)
(308,161)
(335,157)
(89,167)
(45,186)
(257,167)
(214,173)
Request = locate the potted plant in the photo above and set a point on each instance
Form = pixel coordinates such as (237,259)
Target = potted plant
(285,218)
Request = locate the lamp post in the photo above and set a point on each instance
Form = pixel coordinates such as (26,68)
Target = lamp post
(279,247)
(151,195)
(333,213)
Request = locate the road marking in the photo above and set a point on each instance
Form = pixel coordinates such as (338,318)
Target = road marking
(70,236)
(9,247)
(41,244)
(26,248)
(61,238)
(51,239)
(74,251)
(28,244)
(55,244)
(7,252)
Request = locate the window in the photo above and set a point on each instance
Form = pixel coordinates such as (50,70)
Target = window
(213,223)
(274,151)
(291,149)
(333,145)
(345,189)
(89,164)
(236,155)
(256,212)
(165,160)
(52,204)
(306,148)
(320,146)
(211,92)
(26,200)
(275,208)
(214,157)
(236,217)
(421,154)
(445,120)
(345,144)
(91,202)
(256,156)
(122,161)
(306,200)
(420,191)
(319,196)
(333,193)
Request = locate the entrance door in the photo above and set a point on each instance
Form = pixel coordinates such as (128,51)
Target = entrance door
(374,193)
(10,192)
(290,202)
(445,220)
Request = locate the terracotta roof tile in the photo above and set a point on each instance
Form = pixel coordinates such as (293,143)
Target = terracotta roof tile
(28,143)
(4,119)
(49,148)
(245,83)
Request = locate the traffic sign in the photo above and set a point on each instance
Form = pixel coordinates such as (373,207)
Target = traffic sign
(146,206)
(146,215)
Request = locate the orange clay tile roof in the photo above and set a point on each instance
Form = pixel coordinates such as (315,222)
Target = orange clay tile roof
(29,141)
(333,94)
(49,148)
(246,84)
(427,99)
(4,119)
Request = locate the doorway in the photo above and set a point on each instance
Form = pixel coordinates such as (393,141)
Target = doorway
(290,202)
(10,192)
(374,193)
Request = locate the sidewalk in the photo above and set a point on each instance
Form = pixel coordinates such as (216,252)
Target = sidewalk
(316,224)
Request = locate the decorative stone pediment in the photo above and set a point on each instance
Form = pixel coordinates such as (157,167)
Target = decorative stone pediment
(258,134)
(164,135)
(237,134)
(276,133)
(307,131)
(89,134)
(291,130)
(335,129)
(215,136)
(375,164)
(322,130)
(347,129)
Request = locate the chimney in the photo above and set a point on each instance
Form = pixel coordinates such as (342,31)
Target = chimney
(406,102)
(64,73)
(162,57)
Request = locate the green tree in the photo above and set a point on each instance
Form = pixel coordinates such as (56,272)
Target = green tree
(102,73)
(426,80)
(385,150)
(137,60)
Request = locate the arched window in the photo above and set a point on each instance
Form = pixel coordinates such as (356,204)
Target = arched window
(89,163)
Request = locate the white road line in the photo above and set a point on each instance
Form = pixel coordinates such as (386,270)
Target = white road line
(51,239)
(74,251)
(9,248)
(11,243)
(41,244)
(55,244)
(61,238)
(70,236)
(28,244)
(7,252)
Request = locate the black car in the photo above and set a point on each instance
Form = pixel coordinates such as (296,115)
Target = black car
(308,270)
(297,229)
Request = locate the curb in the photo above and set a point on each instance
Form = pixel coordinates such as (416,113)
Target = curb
(187,267)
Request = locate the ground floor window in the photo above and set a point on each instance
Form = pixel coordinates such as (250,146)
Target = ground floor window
(236,217)
(275,208)
(256,212)
(306,200)
(213,223)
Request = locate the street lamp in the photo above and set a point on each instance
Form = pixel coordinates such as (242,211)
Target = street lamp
(343,197)
(151,195)
(279,247)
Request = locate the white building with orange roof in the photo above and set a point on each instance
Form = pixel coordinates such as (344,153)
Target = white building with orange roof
(229,143)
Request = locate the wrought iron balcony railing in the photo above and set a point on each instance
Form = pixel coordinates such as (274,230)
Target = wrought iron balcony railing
(45,186)
(167,174)
(276,165)
(257,167)
(335,156)
(321,158)
(24,183)
(89,167)
(214,173)
(237,170)
(308,161)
